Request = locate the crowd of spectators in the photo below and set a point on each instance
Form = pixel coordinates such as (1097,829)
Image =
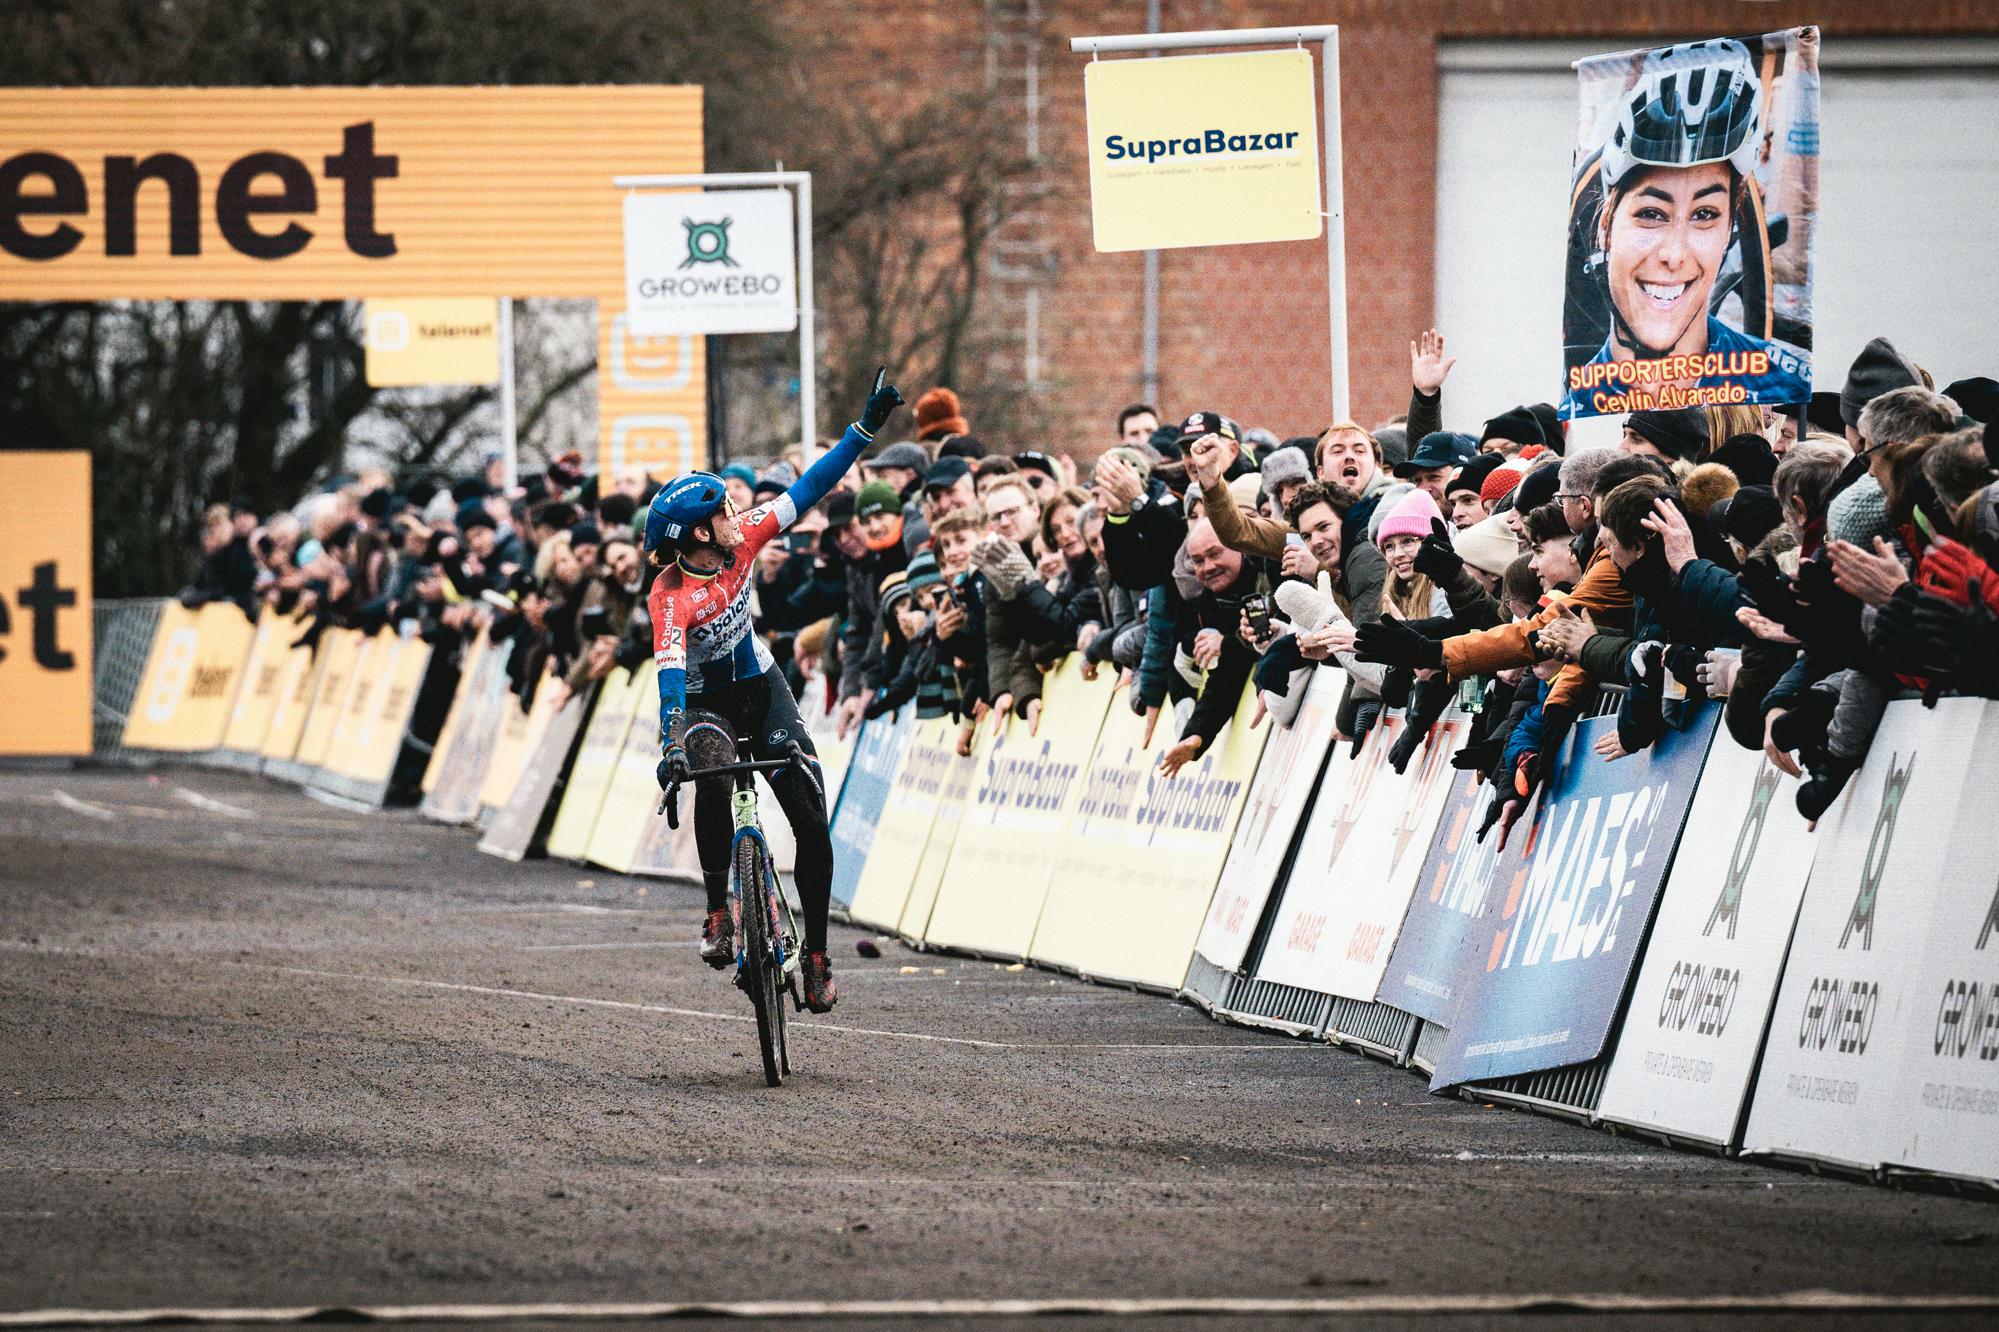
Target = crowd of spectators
(1805,564)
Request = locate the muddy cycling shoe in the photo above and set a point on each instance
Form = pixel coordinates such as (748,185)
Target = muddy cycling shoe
(820,991)
(718,940)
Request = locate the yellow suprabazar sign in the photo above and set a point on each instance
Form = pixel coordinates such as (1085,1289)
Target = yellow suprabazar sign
(350,193)
(1203,150)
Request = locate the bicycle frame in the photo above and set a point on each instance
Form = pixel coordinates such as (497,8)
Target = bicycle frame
(743,805)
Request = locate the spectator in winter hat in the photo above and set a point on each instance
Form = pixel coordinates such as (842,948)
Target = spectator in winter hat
(740,480)
(1977,398)
(1877,370)
(878,511)
(1464,500)
(1750,457)
(947,487)
(1283,472)
(938,416)
(1675,436)
(1040,472)
(969,447)
(1511,431)
(901,465)
(1413,517)
(1487,547)
(1746,517)
(1394,441)
(1436,458)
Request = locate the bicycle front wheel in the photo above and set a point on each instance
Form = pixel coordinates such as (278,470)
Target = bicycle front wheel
(763,973)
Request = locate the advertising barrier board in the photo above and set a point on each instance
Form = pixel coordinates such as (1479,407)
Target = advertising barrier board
(1688,1048)
(955,788)
(596,761)
(1293,758)
(263,673)
(190,680)
(903,830)
(864,794)
(1010,834)
(1560,954)
(1462,883)
(1143,851)
(1835,1078)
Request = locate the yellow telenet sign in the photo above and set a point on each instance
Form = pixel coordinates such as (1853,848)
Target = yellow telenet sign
(1203,150)
(45,603)
(438,340)
(346,193)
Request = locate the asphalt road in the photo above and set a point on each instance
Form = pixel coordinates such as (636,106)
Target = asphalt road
(255,1051)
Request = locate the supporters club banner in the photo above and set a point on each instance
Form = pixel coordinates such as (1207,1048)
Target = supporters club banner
(1293,758)
(1838,1082)
(1690,1039)
(1461,882)
(1691,211)
(1560,952)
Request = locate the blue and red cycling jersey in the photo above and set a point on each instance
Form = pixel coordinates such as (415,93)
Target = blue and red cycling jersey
(701,631)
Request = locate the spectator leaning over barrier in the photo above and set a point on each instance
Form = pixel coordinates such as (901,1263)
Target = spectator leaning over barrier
(878,520)
(1003,560)
(1211,636)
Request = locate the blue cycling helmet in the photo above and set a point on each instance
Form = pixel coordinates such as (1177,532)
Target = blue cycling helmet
(679,505)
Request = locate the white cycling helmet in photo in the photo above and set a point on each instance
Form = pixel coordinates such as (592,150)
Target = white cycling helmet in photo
(1694,103)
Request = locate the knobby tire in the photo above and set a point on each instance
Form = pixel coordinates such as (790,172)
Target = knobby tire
(763,975)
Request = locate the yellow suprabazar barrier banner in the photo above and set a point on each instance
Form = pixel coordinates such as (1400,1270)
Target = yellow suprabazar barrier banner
(352,702)
(298,684)
(263,676)
(519,733)
(379,709)
(1138,867)
(960,771)
(1011,833)
(342,650)
(633,797)
(190,680)
(596,763)
(903,831)
(454,717)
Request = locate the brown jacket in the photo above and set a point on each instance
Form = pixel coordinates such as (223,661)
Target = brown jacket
(1600,591)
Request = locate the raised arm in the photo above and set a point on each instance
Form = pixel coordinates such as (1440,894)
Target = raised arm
(824,474)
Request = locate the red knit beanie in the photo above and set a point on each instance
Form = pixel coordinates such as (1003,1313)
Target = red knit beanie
(937,415)
(1501,483)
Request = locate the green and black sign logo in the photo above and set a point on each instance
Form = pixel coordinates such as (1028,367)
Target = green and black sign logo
(1729,905)
(1991,922)
(707,242)
(1861,921)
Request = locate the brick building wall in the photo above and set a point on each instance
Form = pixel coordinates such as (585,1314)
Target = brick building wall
(1243,329)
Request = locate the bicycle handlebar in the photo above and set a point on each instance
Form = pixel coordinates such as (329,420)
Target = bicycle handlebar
(669,800)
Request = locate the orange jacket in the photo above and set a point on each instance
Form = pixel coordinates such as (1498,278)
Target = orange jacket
(1600,591)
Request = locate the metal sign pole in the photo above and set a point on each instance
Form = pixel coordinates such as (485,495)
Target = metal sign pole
(1328,37)
(801,183)
(510,444)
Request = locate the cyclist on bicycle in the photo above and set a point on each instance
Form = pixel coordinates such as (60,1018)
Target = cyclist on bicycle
(709,656)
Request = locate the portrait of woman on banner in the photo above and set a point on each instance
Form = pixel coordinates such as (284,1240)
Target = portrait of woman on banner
(1690,221)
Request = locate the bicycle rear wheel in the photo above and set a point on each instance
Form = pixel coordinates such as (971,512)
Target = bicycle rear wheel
(763,974)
